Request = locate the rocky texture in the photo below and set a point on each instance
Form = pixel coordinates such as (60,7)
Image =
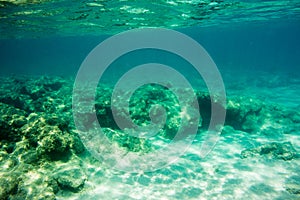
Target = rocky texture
(35,185)
(20,180)
(10,121)
(50,135)
(284,151)
(144,109)
(130,143)
(254,116)
(70,179)
(34,94)
(9,185)
(38,135)
(36,128)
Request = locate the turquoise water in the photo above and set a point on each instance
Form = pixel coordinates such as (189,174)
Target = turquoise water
(45,153)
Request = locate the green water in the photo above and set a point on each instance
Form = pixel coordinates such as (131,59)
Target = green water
(21,18)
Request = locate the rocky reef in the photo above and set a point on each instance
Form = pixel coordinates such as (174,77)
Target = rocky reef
(36,132)
(41,153)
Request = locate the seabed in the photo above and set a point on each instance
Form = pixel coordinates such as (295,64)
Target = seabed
(42,156)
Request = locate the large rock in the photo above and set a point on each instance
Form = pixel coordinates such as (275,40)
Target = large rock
(153,104)
(48,139)
(50,135)
(71,179)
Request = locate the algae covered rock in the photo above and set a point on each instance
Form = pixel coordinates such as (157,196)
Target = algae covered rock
(145,100)
(54,141)
(7,161)
(245,113)
(29,157)
(11,119)
(35,185)
(71,179)
(284,151)
(128,142)
(8,185)
(44,136)
(103,107)
(76,144)
(153,104)
(50,136)
(257,117)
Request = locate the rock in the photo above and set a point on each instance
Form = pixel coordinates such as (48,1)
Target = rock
(35,185)
(30,157)
(246,114)
(29,143)
(70,179)
(257,117)
(9,163)
(76,144)
(284,151)
(227,130)
(15,101)
(54,141)
(11,119)
(8,185)
(47,139)
(153,104)
(60,121)
(125,140)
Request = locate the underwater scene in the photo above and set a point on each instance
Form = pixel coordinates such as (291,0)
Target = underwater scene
(164,99)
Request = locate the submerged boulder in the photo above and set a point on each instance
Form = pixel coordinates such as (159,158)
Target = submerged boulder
(51,136)
(70,179)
